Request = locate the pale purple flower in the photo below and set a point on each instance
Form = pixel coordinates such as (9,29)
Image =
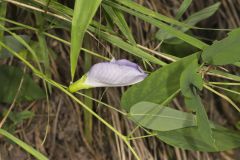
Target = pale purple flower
(110,74)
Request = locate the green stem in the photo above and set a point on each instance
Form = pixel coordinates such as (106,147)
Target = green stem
(87,116)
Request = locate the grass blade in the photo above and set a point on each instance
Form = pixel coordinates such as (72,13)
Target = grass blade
(118,18)
(3,10)
(82,16)
(184,6)
(126,46)
(23,145)
(150,17)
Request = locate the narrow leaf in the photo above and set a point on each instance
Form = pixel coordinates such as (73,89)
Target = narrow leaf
(23,145)
(190,21)
(184,6)
(149,16)
(118,18)
(126,46)
(82,16)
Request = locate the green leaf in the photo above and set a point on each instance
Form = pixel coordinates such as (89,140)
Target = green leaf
(190,78)
(23,145)
(156,20)
(202,14)
(158,86)
(190,83)
(118,18)
(225,51)
(184,6)
(115,40)
(203,123)
(190,21)
(157,117)
(190,138)
(14,44)
(82,16)
(3,11)
(18,117)
(9,82)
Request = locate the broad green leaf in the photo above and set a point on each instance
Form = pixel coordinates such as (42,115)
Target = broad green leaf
(14,44)
(82,16)
(23,145)
(190,21)
(190,83)
(118,18)
(158,86)
(157,117)
(190,138)
(203,124)
(190,79)
(9,82)
(225,51)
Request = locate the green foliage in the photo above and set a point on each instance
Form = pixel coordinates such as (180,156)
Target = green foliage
(189,138)
(118,18)
(225,51)
(9,83)
(23,145)
(156,20)
(158,86)
(202,14)
(190,79)
(190,21)
(15,118)
(127,46)
(82,16)
(190,83)
(203,124)
(184,6)
(160,118)
(3,11)
(13,43)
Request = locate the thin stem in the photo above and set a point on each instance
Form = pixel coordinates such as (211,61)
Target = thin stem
(223,96)
(141,137)
(225,83)
(100,102)
(225,89)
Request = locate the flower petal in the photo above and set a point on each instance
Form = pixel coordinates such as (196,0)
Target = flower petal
(125,62)
(115,73)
